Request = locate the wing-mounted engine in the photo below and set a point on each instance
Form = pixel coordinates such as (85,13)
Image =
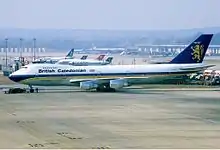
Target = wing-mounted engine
(118,83)
(88,85)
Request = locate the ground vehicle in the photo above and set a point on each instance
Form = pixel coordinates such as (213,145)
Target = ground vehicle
(16,90)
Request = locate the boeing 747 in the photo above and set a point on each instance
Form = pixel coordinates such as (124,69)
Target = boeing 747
(113,77)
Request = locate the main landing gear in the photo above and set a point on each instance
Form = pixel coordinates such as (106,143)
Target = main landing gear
(105,88)
(32,90)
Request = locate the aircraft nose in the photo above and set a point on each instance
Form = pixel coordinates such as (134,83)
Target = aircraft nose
(11,77)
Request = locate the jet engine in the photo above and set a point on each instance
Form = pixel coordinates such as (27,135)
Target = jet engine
(88,85)
(118,83)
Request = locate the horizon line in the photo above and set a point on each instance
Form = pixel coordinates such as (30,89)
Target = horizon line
(106,29)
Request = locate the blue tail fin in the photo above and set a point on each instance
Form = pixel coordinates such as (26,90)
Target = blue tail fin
(195,52)
(84,57)
(109,60)
(70,54)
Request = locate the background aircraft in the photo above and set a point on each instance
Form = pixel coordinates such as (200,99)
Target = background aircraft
(54,59)
(87,62)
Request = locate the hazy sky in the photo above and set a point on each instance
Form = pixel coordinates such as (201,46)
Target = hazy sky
(110,14)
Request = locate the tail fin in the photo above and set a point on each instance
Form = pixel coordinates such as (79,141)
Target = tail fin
(195,52)
(84,57)
(109,60)
(70,54)
(100,57)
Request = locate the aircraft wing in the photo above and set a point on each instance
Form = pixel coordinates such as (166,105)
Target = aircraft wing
(102,80)
(96,80)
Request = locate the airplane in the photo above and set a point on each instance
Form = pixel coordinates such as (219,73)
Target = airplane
(114,77)
(55,59)
(84,60)
(65,59)
(90,62)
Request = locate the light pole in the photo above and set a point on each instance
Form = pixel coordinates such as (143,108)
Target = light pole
(34,47)
(21,48)
(6,53)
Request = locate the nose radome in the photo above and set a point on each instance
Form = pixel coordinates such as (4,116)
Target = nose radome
(11,77)
(10,74)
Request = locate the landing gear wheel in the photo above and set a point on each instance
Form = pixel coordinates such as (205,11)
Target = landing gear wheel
(31,90)
(98,89)
(111,90)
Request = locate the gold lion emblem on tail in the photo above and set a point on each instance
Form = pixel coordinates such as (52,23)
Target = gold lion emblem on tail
(198,51)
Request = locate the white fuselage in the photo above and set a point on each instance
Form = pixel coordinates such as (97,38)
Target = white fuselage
(55,74)
(49,60)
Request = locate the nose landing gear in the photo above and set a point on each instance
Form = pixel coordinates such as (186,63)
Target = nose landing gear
(32,89)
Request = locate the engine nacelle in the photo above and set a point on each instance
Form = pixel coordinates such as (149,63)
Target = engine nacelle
(118,83)
(88,85)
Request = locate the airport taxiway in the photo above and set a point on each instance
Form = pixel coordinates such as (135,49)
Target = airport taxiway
(129,119)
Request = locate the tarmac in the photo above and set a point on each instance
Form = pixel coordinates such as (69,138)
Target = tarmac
(131,118)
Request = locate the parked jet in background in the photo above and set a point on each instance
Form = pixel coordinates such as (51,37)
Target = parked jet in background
(87,62)
(54,59)
(112,77)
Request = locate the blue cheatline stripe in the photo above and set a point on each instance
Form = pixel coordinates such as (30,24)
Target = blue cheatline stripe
(18,78)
